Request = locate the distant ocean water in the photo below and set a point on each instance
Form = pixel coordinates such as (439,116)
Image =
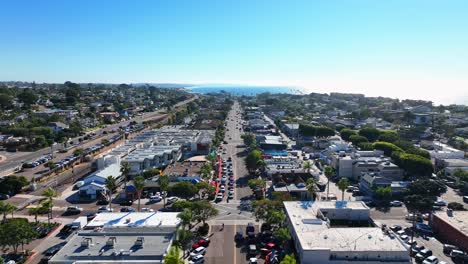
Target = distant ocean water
(241,89)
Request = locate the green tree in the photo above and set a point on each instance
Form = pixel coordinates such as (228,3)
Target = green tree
(252,160)
(111,185)
(183,238)
(256,184)
(249,139)
(372,134)
(78,152)
(139,183)
(343,185)
(184,189)
(288,259)
(185,217)
(283,235)
(125,170)
(6,208)
(50,194)
(150,173)
(16,232)
(346,133)
(163,182)
(328,171)
(388,136)
(181,205)
(312,187)
(173,257)
(307,165)
(384,193)
(13,184)
(262,208)
(205,170)
(276,218)
(203,210)
(414,165)
(386,147)
(27,96)
(356,140)
(426,188)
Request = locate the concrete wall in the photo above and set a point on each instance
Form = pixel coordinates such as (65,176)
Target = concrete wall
(449,233)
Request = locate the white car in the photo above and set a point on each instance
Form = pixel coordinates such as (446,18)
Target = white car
(222,188)
(155,199)
(198,251)
(396,203)
(231,191)
(105,209)
(197,259)
(404,238)
(144,209)
(431,260)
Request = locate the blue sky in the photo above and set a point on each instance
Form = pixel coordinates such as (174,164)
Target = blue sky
(406,49)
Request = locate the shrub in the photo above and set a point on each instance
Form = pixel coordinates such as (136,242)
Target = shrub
(346,133)
(456,206)
(372,134)
(356,139)
(388,148)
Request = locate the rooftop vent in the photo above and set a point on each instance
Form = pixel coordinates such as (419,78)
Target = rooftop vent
(139,241)
(369,236)
(86,242)
(111,241)
(325,237)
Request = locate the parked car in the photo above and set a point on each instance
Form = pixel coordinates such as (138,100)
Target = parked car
(198,251)
(104,209)
(171,200)
(465,199)
(440,203)
(144,209)
(126,203)
(127,209)
(431,260)
(155,199)
(423,254)
(396,203)
(447,248)
(197,259)
(395,228)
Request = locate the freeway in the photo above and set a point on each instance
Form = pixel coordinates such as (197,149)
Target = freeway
(15,160)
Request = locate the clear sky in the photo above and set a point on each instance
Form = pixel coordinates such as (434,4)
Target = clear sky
(398,48)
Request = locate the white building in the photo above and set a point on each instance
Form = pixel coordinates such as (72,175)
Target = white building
(121,238)
(317,241)
(444,151)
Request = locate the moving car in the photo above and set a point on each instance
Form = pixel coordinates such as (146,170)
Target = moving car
(73,210)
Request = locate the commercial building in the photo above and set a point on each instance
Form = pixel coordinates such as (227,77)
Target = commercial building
(354,165)
(451,227)
(444,151)
(121,238)
(319,235)
(371,181)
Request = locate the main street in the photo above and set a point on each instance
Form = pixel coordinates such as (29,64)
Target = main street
(235,219)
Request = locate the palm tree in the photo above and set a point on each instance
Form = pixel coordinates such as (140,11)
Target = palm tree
(139,184)
(35,211)
(184,237)
(307,165)
(111,186)
(163,186)
(261,165)
(125,170)
(185,218)
(311,187)
(205,170)
(50,194)
(342,185)
(328,171)
(7,208)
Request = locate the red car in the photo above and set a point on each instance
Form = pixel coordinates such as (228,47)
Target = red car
(201,243)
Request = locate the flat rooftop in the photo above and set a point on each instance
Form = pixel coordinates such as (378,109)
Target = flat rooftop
(124,249)
(315,233)
(459,220)
(135,219)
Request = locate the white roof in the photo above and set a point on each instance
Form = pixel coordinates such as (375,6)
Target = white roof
(135,219)
(314,233)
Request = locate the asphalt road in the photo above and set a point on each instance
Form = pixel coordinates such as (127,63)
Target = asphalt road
(223,248)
